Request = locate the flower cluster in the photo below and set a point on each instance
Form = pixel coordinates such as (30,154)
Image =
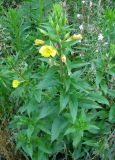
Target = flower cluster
(49,51)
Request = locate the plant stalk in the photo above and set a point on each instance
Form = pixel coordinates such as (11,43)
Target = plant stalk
(40,11)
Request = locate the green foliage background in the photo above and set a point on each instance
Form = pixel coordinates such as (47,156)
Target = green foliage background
(65,110)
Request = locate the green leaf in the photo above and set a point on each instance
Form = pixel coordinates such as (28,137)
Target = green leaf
(43,126)
(28,149)
(88,104)
(44,60)
(104,87)
(92,128)
(112,71)
(73,106)
(111,92)
(78,65)
(77,138)
(30,131)
(28,107)
(41,156)
(37,95)
(42,146)
(18,145)
(99,77)
(76,74)
(112,49)
(58,125)
(112,114)
(67,82)
(98,97)
(64,99)
(83,116)
(46,110)
(81,85)
(70,130)
(18,92)
(45,83)
(49,79)
(91,143)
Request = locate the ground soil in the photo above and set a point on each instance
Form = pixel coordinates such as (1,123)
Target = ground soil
(7,147)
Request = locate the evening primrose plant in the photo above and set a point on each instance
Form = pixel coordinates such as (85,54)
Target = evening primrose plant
(58,105)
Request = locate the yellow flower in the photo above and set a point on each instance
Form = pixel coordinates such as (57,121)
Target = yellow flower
(39,42)
(77,37)
(15,83)
(63,58)
(47,51)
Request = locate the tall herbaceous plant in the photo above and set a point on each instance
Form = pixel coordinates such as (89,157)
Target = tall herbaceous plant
(58,104)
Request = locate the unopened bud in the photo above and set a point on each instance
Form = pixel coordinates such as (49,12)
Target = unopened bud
(67,35)
(77,37)
(57,28)
(51,21)
(43,32)
(63,58)
(39,42)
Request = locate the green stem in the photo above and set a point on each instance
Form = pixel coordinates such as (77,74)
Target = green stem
(40,11)
(19,74)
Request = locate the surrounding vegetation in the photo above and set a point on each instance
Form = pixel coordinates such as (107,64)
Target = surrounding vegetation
(57,79)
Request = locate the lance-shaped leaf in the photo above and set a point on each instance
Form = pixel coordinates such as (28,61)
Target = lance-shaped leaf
(73,106)
(57,127)
(64,99)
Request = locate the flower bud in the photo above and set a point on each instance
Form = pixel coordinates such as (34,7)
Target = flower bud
(57,29)
(39,42)
(63,58)
(77,37)
(67,35)
(43,31)
(51,21)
